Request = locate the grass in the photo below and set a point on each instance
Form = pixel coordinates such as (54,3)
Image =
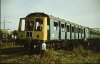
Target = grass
(17,55)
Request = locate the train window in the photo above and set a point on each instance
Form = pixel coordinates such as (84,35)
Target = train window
(23,25)
(77,30)
(62,27)
(82,30)
(30,25)
(55,25)
(65,27)
(38,24)
(72,28)
(68,28)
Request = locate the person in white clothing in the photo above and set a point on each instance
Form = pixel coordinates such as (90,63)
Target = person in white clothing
(43,52)
(43,46)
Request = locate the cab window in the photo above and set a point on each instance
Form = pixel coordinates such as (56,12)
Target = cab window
(30,25)
(38,24)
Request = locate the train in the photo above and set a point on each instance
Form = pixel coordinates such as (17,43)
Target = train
(39,27)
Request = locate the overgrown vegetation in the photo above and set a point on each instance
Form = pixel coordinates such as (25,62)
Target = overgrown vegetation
(20,56)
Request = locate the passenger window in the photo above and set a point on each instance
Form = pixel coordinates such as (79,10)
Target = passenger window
(55,25)
(82,30)
(79,30)
(38,24)
(76,29)
(72,28)
(68,28)
(65,28)
(62,27)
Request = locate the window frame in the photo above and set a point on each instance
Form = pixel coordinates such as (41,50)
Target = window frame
(38,22)
(63,28)
(68,27)
(55,25)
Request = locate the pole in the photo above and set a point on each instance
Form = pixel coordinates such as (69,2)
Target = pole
(5,24)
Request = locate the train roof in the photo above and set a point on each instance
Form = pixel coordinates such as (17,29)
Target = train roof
(68,22)
(55,18)
(37,14)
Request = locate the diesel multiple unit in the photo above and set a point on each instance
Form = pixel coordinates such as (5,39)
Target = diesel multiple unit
(40,27)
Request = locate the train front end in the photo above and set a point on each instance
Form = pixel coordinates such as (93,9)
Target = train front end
(32,28)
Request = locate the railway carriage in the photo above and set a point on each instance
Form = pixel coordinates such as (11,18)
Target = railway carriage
(40,27)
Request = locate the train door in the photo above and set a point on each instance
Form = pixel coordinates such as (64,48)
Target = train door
(79,33)
(59,30)
(54,29)
(76,32)
(72,32)
(29,25)
(68,31)
(82,33)
(48,29)
(86,33)
(62,31)
(65,31)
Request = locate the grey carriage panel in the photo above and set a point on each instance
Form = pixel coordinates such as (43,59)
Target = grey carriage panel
(54,34)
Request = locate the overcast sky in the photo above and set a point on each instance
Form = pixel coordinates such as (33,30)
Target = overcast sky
(83,12)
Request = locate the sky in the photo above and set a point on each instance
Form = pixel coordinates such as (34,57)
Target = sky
(83,12)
